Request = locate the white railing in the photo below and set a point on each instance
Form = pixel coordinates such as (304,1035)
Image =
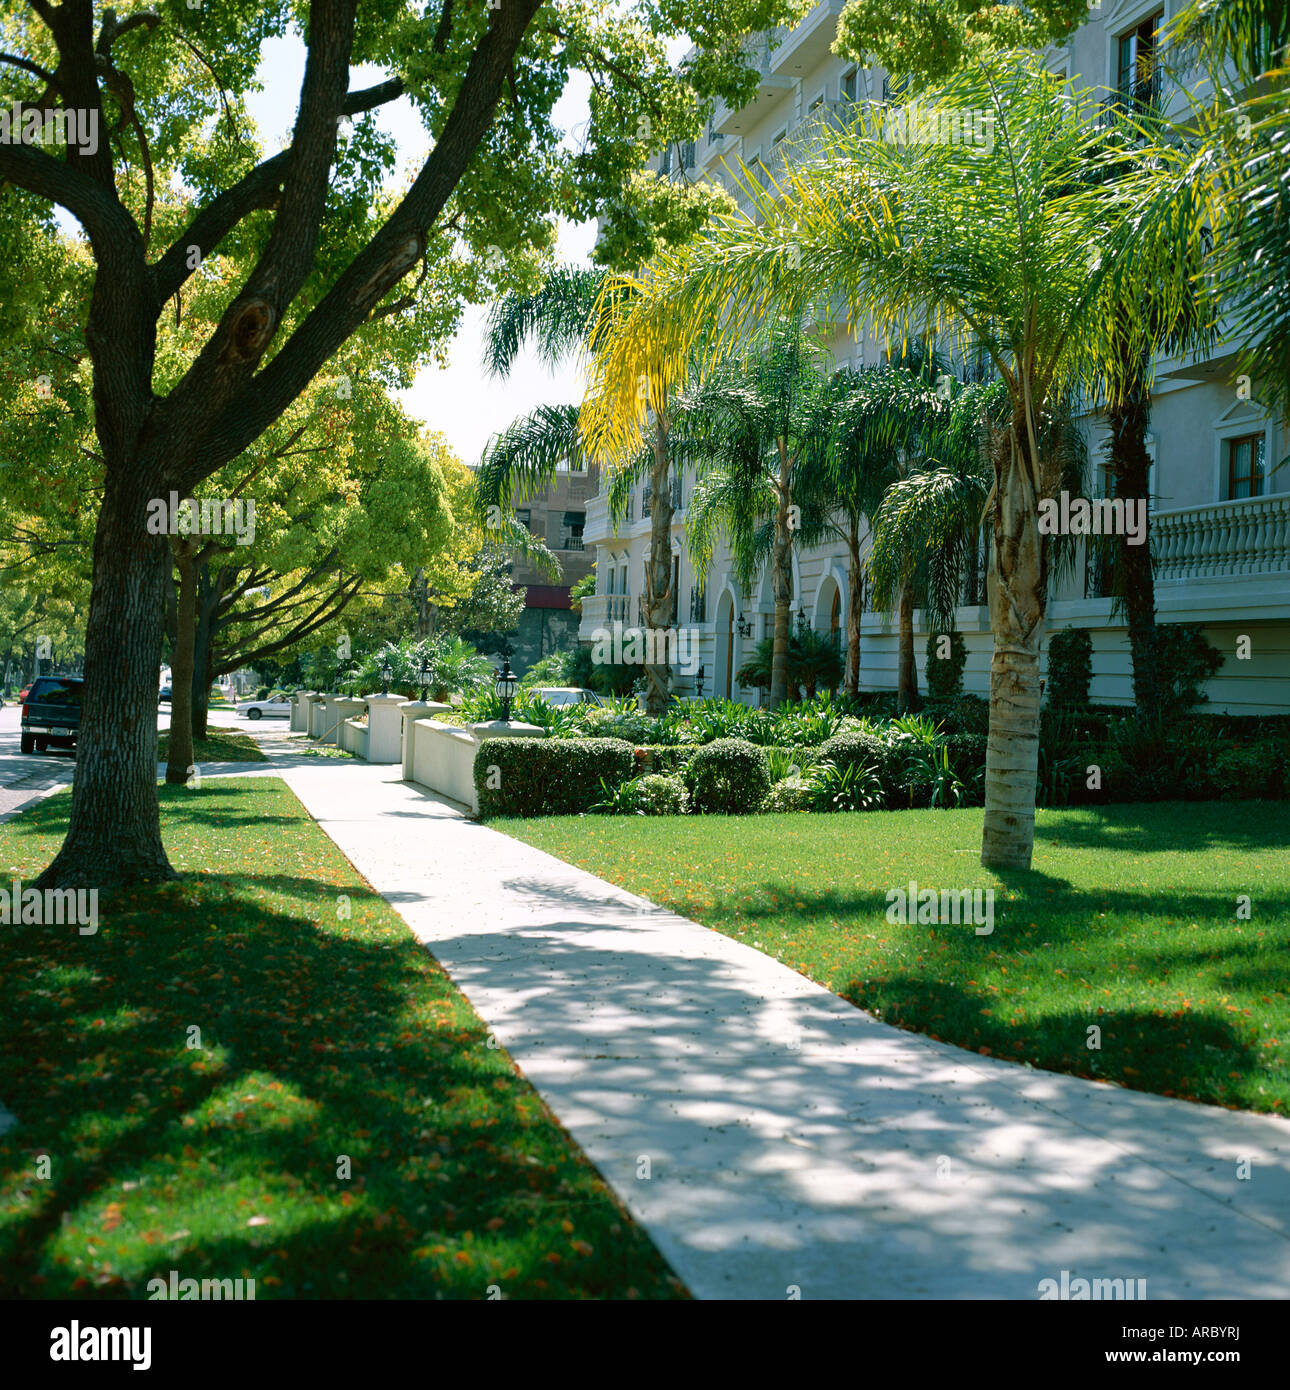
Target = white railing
(1225,538)
(599,610)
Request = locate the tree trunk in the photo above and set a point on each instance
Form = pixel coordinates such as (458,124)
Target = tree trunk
(114,837)
(906,666)
(1015,585)
(658,572)
(781,582)
(208,598)
(855,611)
(1131,467)
(179,765)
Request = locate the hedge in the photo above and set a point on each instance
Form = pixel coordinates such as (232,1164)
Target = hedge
(728,776)
(548,776)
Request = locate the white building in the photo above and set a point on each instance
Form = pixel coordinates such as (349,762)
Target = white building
(1220,512)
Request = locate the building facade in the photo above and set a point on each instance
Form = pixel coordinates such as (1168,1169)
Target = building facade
(557,515)
(1220,510)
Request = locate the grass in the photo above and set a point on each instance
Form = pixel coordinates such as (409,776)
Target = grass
(219,746)
(1127,922)
(326,1034)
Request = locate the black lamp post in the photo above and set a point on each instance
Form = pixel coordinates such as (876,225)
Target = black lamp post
(506,684)
(698,683)
(425,677)
(801,620)
(387,672)
(745,626)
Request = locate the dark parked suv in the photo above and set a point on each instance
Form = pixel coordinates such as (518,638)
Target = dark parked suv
(51,714)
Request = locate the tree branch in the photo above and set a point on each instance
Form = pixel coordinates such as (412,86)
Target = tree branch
(256,190)
(386,259)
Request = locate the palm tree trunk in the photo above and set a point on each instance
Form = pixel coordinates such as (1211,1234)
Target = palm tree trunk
(1016,590)
(781,584)
(855,610)
(906,666)
(658,575)
(1131,466)
(179,763)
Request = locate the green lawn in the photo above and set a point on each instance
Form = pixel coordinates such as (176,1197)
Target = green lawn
(323,1036)
(219,746)
(1128,921)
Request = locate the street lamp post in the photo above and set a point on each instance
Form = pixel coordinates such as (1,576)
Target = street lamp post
(506,684)
(387,673)
(425,677)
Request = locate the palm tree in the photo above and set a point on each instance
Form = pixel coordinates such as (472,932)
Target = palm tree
(876,417)
(993,243)
(524,457)
(756,431)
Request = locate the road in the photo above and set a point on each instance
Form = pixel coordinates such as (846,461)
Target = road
(25,777)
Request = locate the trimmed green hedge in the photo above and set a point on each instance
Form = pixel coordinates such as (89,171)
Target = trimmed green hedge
(548,776)
(729,776)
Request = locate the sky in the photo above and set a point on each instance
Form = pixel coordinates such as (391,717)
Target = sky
(461,401)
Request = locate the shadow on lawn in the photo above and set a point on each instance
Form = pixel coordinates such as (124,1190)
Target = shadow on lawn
(1194,1053)
(1174,826)
(389,1066)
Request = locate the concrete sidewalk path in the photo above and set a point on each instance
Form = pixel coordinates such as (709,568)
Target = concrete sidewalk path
(772,1137)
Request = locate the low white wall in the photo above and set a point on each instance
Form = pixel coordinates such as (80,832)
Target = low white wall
(443,759)
(354,737)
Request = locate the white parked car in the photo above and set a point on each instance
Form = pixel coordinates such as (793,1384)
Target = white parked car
(277,705)
(566,695)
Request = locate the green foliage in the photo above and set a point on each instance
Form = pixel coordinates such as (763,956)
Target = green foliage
(664,759)
(548,777)
(788,794)
(650,795)
(929,41)
(850,787)
(552,669)
(945,673)
(969,714)
(1185,660)
(454,668)
(1070,669)
(728,776)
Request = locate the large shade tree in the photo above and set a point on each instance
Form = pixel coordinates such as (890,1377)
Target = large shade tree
(175,173)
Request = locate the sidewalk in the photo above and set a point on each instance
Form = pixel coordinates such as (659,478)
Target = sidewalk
(769,1135)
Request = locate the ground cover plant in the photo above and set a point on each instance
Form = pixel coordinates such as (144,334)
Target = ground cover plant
(1133,920)
(326,1031)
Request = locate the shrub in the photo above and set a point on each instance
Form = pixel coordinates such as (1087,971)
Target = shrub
(965,754)
(662,796)
(729,776)
(1185,660)
(548,777)
(870,751)
(790,794)
(969,714)
(1070,668)
(945,673)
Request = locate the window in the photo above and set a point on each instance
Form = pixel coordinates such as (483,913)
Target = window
(665,161)
(779,137)
(687,155)
(571,531)
(850,84)
(1245,467)
(524,516)
(1137,77)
